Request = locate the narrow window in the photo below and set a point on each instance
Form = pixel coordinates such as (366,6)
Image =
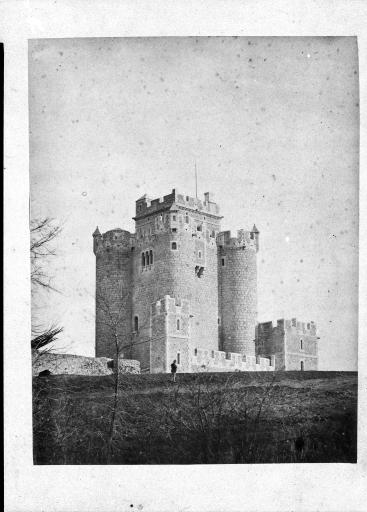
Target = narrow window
(196,352)
(223,262)
(147,257)
(174,246)
(143,260)
(187,219)
(178,324)
(136,323)
(302,366)
(200,254)
(187,198)
(151,257)
(212,353)
(178,358)
(174,218)
(301,342)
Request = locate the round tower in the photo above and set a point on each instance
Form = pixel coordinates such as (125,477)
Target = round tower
(113,291)
(238,290)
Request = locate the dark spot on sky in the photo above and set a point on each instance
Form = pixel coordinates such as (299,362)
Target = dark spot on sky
(61,53)
(250,60)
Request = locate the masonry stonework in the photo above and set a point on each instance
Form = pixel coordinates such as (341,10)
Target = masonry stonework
(293,343)
(179,288)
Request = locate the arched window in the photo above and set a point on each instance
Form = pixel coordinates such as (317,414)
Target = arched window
(147,257)
(136,323)
(301,344)
(302,366)
(151,257)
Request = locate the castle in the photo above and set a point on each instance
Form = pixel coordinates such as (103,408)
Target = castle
(180,288)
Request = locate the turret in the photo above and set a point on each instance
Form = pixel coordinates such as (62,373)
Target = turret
(113,290)
(255,236)
(238,290)
(97,237)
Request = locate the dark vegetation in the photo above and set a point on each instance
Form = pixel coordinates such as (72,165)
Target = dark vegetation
(202,418)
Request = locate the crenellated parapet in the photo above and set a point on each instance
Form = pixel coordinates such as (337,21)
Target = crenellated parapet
(146,206)
(113,239)
(243,240)
(293,325)
(218,361)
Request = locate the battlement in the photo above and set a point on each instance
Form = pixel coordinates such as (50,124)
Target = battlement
(244,239)
(217,360)
(169,304)
(284,324)
(115,238)
(146,206)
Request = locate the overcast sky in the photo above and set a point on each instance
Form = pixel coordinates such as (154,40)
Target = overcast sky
(273,126)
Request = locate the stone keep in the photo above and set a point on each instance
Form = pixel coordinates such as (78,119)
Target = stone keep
(177,286)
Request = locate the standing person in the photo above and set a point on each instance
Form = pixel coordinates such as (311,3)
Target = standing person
(174,370)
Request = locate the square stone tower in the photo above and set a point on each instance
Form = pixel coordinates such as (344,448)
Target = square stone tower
(175,254)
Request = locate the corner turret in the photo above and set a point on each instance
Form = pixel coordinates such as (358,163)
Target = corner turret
(96,238)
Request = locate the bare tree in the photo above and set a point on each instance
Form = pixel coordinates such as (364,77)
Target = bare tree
(43,233)
(112,315)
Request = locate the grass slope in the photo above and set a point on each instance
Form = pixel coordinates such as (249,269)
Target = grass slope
(202,418)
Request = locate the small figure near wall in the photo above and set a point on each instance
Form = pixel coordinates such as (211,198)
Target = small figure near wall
(174,370)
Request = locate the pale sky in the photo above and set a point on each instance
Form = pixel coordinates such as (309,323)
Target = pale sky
(273,125)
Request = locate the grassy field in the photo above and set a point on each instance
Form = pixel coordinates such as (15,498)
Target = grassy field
(202,418)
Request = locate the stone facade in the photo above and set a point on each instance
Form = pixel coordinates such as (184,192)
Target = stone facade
(177,285)
(294,344)
(71,364)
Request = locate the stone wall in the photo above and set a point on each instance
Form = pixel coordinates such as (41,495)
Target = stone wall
(70,364)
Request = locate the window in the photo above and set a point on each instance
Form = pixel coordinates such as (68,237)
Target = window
(147,258)
(143,260)
(212,234)
(223,262)
(174,246)
(174,230)
(178,324)
(151,257)
(186,219)
(196,352)
(200,254)
(199,227)
(302,366)
(136,323)
(178,358)
(174,218)
(301,343)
